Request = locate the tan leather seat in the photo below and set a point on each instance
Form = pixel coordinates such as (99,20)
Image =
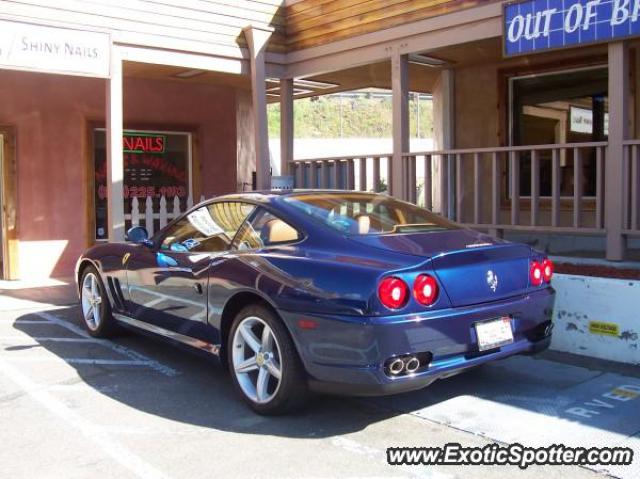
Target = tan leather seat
(280,232)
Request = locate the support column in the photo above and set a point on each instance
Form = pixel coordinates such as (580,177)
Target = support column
(448,129)
(398,183)
(257,39)
(442,180)
(286,125)
(115,156)
(618,132)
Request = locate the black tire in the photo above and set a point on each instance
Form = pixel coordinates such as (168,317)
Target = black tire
(292,390)
(106,325)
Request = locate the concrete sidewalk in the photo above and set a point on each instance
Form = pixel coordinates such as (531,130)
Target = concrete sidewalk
(37,293)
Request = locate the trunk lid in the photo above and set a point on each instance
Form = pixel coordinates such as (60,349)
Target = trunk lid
(484,274)
(471,267)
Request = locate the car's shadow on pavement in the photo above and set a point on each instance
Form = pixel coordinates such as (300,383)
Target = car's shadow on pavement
(159,379)
(506,400)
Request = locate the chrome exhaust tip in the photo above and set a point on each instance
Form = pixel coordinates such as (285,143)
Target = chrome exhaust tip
(548,330)
(411,365)
(396,366)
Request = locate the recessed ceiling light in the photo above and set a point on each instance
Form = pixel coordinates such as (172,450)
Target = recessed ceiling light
(418,59)
(189,73)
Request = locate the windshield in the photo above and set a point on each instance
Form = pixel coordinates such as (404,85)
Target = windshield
(368,213)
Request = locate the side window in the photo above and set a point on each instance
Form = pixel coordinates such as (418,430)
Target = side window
(263,230)
(209,229)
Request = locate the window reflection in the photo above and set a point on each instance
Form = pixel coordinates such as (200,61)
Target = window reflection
(564,107)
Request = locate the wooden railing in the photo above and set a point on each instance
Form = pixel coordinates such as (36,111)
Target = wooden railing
(485,187)
(362,173)
(631,188)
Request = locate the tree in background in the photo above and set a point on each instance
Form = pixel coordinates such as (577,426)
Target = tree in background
(359,114)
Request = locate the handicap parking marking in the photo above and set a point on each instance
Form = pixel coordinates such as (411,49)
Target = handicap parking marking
(590,409)
(610,402)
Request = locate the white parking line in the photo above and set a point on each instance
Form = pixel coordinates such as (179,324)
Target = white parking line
(131,354)
(14,322)
(85,361)
(25,338)
(119,453)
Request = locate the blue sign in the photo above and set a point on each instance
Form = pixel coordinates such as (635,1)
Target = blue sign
(538,25)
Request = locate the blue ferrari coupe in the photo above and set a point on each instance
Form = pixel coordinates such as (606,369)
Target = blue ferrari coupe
(331,291)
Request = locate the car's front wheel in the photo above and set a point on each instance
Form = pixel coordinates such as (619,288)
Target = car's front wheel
(94,303)
(264,363)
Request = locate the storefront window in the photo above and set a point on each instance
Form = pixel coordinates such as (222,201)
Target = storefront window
(156,164)
(564,107)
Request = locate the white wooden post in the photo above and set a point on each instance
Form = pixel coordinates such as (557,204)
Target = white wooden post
(148,215)
(115,155)
(189,202)
(163,212)
(135,212)
(176,207)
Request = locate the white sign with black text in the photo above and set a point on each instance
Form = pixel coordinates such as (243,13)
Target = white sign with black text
(25,46)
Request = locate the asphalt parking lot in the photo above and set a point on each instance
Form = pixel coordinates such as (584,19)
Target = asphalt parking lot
(72,406)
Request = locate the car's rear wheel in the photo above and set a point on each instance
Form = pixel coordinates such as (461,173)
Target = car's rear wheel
(94,304)
(264,363)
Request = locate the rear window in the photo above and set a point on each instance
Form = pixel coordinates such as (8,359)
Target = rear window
(368,214)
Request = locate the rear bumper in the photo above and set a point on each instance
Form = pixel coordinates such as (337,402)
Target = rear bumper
(346,355)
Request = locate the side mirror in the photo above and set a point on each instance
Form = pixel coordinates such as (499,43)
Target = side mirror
(137,234)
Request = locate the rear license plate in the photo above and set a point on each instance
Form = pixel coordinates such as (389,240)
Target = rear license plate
(494,333)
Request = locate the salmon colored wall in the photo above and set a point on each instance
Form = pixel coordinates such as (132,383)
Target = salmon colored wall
(52,116)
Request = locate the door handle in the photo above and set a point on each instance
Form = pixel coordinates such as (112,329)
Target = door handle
(198,288)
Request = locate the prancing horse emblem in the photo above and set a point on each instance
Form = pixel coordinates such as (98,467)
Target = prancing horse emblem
(492,280)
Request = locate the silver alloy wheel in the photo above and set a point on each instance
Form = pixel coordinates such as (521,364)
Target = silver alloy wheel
(91,301)
(257,362)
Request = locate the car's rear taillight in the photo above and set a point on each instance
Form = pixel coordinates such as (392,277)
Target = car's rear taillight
(425,289)
(535,273)
(393,292)
(547,270)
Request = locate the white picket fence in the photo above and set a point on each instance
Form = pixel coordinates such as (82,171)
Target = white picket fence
(164,215)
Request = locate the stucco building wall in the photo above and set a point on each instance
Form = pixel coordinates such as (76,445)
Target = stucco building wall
(53,115)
